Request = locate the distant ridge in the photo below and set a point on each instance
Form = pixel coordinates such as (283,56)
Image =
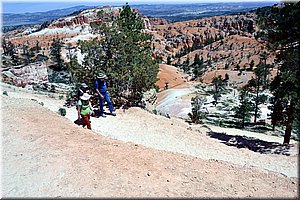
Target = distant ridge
(11,19)
(171,12)
(184,12)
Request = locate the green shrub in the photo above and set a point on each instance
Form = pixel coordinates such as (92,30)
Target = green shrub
(62,111)
(196,115)
(52,89)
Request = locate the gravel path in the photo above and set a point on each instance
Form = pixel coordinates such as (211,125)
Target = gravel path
(140,127)
(46,155)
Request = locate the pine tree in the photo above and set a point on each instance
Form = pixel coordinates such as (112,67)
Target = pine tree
(226,77)
(55,54)
(197,60)
(278,103)
(245,109)
(124,54)
(218,88)
(257,83)
(10,50)
(169,60)
(263,61)
(196,115)
(197,66)
(281,25)
(251,65)
(185,65)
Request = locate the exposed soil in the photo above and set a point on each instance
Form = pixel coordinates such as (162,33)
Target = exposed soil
(170,75)
(47,155)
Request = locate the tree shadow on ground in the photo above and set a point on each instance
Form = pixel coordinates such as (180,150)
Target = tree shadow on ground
(252,143)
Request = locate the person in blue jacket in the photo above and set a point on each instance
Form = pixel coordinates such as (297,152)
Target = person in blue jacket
(100,86)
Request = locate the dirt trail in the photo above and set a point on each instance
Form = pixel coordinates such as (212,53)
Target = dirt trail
(45,154)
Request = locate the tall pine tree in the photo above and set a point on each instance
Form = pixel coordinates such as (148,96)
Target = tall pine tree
(55,54)
(281,25)
(244,111)
(124,54)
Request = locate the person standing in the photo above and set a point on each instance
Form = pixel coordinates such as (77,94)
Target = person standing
(100,86)
(85,109)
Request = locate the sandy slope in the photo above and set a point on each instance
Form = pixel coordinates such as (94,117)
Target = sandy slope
(171,75)
(45,154)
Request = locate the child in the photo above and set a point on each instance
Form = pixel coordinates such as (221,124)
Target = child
(85,109)
(84,88)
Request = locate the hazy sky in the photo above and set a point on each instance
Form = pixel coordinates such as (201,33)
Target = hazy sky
(17,6)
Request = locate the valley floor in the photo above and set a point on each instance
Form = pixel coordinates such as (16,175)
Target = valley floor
(47,155)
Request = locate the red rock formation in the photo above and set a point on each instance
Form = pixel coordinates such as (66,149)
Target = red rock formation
(76,20)
(158,21)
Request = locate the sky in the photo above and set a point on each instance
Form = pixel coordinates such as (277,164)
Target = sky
(17,6)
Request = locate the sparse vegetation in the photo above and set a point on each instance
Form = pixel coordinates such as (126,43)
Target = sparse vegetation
(197,115)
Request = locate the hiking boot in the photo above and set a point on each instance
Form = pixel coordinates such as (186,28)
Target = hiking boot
(113,114)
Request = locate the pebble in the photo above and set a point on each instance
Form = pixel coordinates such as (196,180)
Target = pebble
(148,173)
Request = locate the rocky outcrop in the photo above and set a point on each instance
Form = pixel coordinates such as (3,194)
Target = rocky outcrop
(158,21)
(76,20)
(23,75)
(194,34)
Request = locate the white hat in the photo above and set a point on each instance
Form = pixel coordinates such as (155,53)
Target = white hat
(100,76)
(85,96)
(84,85)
